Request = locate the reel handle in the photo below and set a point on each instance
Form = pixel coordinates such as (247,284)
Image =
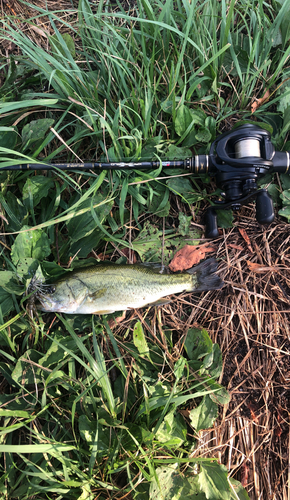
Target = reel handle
(211,226)
(264,207)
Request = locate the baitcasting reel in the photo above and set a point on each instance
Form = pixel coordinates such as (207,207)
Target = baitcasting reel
(236,159)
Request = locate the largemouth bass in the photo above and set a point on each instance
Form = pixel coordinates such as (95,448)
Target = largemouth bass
(106,288)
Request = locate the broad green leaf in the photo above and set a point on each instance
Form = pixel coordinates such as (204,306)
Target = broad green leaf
(30,243)
(183,187)
(93,433)
(27,268)
(166,105)
(183,119)
(35,130)
(172,432)
(148,244)
(6,302)
(197,344)
(285,197)
(35,189)
(65,42)
(85,245)
(285,212)
(213,480)
(54,354)
(15,211)
(238,492)
(198,116)
(8,137)
(184,223)
(204,415)
(83,225)
(9,283)
(179,367)
(210,124)
(219,394)
(169,484)
(140,340)
(159,204)
(180,185)
(225,218)
(177,153)
(212,362)
(203,135)
(69,43)
(274,192)
(25,372)
(285,180)
(140,433)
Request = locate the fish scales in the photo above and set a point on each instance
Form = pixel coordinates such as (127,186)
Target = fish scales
(106,288)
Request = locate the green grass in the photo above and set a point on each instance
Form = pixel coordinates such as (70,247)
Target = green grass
(85,413)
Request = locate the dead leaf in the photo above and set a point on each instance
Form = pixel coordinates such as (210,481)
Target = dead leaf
(244,234)
(245,474)
(101,256)
(236,247)
(258,102)
(130,254)
(189,256)
(115,321)
(253,409)
(39,31)
(258,268)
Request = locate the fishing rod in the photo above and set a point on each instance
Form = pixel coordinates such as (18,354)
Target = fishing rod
(237,159)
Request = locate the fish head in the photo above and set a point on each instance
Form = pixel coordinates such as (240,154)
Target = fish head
(59,297)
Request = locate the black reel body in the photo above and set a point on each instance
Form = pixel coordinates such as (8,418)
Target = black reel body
(238,158)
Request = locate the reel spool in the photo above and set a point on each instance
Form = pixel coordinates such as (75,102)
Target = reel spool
(247,148)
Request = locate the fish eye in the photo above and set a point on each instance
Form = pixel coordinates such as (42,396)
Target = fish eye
(51,289)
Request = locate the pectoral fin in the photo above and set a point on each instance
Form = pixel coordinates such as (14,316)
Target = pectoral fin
(96,295)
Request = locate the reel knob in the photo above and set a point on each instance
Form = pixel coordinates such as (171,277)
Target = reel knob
(211,227)
(264,207)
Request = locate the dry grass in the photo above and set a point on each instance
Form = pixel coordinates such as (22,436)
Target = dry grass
(248,318)
(30,21)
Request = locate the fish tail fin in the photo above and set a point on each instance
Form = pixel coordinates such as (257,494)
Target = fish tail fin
(205,275)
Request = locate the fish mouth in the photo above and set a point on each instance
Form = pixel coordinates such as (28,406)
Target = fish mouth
(45,303)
